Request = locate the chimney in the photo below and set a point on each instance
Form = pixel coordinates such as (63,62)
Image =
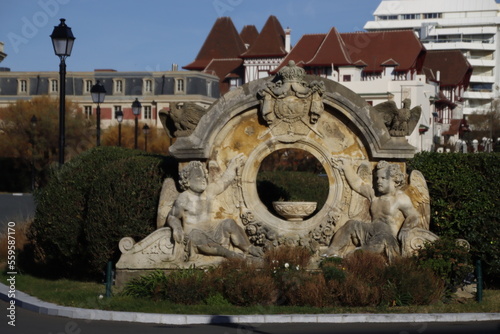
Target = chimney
(287,39)
(175,67)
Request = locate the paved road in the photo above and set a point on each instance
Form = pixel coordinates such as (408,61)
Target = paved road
(28,322)
(15,207)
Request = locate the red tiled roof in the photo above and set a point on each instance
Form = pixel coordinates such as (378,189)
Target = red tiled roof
(374,48)
(223,41)
(270,43)
(331,51)
(225,68)
(452,65)
(303,51)
(249,34)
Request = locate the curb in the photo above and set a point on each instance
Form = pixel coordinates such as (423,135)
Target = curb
(34,304)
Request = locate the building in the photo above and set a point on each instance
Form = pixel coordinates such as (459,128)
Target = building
(237,58)
(470,26)
(380,66)
(155,91)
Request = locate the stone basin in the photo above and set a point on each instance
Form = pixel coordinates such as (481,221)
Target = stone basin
(294,211)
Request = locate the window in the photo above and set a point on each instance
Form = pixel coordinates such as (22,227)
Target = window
(410,16)
(54,86)
(148,86)
(23,86)
(387,17)
(88,111)
(432,15)
(118,87)
(88,86)
(147,112)
(346,77)
(209,88)
(180,85)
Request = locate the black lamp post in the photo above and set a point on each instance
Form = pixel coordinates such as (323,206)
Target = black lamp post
(136,110)
(98,93)
(119,118)
(33,122)
(62,40)
(145,130)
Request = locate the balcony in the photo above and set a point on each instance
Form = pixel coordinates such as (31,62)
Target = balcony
(480,95)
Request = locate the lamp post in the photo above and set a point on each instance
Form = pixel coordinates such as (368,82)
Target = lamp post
(145,130)
(136,110)
(98,93)
(33,122)
(119,118)
(62,41)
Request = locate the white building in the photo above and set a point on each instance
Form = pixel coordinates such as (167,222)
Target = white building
(471,26)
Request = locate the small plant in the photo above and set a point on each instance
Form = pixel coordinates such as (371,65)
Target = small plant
(146,286)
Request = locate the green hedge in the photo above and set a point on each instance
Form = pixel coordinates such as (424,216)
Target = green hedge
(89,204)
(465,201)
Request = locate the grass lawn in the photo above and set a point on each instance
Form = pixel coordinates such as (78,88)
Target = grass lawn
(86,295)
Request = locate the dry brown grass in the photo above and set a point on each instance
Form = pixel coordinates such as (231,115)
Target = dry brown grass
(21,239)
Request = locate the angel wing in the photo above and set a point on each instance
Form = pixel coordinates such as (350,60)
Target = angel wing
(419,193)
(359,207)
(168,195)
(167,122)
(389,110)
(414,118)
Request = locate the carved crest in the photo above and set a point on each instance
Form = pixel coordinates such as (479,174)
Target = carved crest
(289,105)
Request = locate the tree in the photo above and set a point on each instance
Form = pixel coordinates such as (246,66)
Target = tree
(158,140)
(39,145)
(486,125)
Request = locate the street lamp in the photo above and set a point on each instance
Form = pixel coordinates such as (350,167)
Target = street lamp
(119,118)
(62,41)
(145,130)
(33,122)
(98,93)
(136,110)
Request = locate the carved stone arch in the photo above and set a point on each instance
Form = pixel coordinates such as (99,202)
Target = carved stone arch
(354,112)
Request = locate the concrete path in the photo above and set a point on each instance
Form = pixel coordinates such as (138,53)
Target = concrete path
(31,303)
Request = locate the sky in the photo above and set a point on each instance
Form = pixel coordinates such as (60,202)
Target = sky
(151,35)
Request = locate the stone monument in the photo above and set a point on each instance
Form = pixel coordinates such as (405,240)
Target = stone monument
(213,210)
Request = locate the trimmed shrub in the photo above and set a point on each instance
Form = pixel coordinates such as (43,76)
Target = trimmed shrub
(465,201)
(63,241)
(187,286)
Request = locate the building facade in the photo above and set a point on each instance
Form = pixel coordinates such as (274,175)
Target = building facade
(155,91)
(471,26)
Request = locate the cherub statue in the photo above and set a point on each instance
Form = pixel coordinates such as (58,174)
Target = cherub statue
(190,219)
(181,120)
(399,122)
(393,215)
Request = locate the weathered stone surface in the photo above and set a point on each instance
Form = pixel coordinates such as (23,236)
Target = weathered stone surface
(288,111)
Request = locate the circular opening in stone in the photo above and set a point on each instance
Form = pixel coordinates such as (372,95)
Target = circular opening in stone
(292,175)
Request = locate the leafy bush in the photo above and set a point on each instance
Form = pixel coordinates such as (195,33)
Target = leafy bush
(187,286)
(88,203)
(465,201)
(409,284)
(242,283)
(146,286)
(448,260)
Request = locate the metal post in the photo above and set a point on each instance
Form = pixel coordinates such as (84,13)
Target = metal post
(135,137)
(479,277)
(109,278)
(62,110)
(119,134)
(98,134)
